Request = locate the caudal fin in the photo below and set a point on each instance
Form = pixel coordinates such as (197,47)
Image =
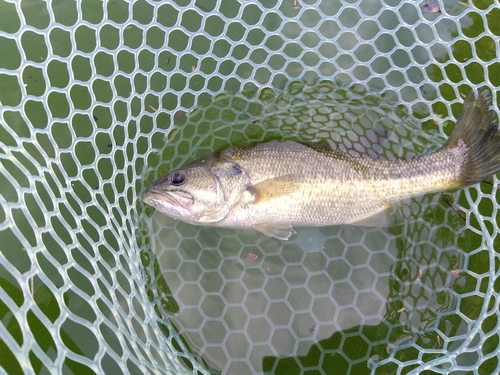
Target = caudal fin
(476,132)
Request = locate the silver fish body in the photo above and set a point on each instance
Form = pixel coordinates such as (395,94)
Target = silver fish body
(275,186)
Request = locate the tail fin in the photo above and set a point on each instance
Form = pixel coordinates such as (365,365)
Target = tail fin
(476,131)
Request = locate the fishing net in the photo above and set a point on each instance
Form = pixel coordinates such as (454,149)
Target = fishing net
(100,98)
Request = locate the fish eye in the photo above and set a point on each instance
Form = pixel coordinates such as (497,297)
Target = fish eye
(178,178)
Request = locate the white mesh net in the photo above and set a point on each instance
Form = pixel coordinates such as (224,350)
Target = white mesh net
(99,98)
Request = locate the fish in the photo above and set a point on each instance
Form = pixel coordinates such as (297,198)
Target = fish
(278,185)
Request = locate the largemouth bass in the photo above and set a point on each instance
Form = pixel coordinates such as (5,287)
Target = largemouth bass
(274,186)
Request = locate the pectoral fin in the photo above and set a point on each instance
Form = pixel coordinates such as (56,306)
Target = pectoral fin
(275,187)
(281,231)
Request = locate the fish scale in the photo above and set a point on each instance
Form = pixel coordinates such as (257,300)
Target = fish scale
(345,189)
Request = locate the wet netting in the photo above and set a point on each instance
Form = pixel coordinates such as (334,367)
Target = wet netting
(98,99)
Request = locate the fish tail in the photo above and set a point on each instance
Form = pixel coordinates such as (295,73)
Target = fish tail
(477,135)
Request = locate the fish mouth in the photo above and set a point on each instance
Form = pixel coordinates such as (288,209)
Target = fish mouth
(156,197)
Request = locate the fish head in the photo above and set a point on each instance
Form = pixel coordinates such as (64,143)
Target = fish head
(200,193)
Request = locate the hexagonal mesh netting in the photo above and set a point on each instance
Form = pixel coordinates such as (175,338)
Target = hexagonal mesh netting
(100,98)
